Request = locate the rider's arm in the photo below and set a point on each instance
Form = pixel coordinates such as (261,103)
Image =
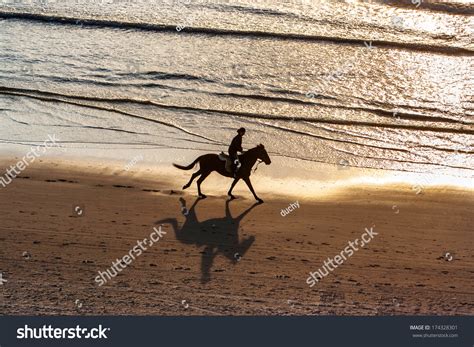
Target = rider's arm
(240,149)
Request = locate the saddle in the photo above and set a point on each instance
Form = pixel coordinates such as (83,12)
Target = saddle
(228,163)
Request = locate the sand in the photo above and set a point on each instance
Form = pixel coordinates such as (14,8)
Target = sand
(217,265)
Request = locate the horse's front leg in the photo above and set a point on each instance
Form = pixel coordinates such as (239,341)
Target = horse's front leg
(249,184)
(232,187)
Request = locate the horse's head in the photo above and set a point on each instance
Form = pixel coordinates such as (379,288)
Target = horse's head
(263,155)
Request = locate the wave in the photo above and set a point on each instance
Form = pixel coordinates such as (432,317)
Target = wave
(415,113)
(50,96)
(304,133)
(266,120)
(454,7)
(62,20)
(229,7)
(44,97)
(144,75)
(158,75)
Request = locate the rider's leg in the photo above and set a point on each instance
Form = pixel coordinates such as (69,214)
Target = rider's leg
(233,158)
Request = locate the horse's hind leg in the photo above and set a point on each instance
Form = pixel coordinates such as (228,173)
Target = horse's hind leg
(196,174)
(199,181)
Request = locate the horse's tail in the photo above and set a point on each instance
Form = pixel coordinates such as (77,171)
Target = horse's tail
(189,167)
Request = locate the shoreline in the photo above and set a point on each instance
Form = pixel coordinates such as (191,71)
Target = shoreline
(328,180)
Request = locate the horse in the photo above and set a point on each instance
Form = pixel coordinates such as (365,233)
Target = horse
(211,162)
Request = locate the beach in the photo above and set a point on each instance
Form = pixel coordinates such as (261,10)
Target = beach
(63,224)
(359,115)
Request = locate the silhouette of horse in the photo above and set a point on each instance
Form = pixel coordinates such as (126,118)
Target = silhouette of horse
(219,235)
(211,162)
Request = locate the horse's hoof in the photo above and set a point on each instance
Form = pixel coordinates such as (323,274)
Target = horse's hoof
(260,201)
(185,186)
(202,196)
(231,197)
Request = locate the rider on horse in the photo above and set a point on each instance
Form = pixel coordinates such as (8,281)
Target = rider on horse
(236,146)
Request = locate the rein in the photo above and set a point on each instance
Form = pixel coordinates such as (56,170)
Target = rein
(259,161)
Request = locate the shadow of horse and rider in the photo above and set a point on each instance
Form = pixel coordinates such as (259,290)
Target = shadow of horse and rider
(217,235)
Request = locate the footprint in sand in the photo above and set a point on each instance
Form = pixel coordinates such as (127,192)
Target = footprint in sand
(282,277)
(121,186)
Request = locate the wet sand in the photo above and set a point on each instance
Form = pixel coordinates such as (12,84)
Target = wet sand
(248,260)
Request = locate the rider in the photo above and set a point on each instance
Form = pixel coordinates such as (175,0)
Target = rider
(236,146)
